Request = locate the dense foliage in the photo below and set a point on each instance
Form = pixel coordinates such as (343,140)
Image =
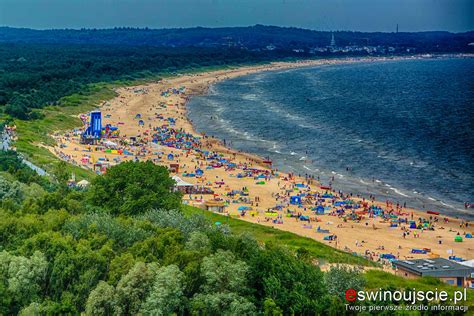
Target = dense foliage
(258,36)
(62,254)
(132,188)
(33,75)
(12,163)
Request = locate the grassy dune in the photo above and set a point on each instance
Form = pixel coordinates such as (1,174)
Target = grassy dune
(264,234)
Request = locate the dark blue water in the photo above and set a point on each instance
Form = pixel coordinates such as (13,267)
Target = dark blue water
(401,130)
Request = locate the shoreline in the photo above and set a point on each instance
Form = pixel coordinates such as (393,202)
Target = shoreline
(431,203)
(141,97)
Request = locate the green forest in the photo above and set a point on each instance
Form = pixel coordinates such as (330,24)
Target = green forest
(126,246)
(33,76)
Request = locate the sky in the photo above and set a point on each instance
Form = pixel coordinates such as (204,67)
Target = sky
(355,15)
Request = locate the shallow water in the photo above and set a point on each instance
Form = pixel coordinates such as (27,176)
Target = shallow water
(401,130)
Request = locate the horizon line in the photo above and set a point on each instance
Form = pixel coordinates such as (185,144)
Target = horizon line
(220,27)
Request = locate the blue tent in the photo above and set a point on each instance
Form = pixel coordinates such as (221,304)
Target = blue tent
(387,256)
(468,235)
(454,258)
(243,208)
(320,209)
(295,200)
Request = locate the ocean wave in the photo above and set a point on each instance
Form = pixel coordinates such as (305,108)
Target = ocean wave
(399,192)
(250,97)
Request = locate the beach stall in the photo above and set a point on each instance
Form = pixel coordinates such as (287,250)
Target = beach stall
(183,186)
(214,206)
(174,167)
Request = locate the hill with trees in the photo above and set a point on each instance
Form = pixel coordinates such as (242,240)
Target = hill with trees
(251,37)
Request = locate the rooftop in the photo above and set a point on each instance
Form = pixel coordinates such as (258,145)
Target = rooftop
(436,267)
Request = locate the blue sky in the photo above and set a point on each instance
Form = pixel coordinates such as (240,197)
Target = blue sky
(360,15)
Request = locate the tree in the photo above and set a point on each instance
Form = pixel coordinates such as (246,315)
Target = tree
(101,300)
(198,241)
(270,308)
(339,279)
(166,295)
(225,279)
(22,276)
(133,288)
(119,266)
(296,286)
(221,303)
(34,309)
(134,187)
(223,272)
(10,190)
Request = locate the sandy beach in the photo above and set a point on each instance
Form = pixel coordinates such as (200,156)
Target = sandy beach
(153,125)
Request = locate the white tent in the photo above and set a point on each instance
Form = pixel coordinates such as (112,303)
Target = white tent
(181,183)
(83,183)
(469,263)
(110,144)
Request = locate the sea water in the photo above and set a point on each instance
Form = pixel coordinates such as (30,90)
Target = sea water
(398,129)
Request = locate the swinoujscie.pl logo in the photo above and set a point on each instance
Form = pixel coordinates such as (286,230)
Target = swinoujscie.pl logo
(409,298)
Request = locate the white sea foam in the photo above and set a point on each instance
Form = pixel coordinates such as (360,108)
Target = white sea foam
(250,97)
(399,192)
(446,204)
